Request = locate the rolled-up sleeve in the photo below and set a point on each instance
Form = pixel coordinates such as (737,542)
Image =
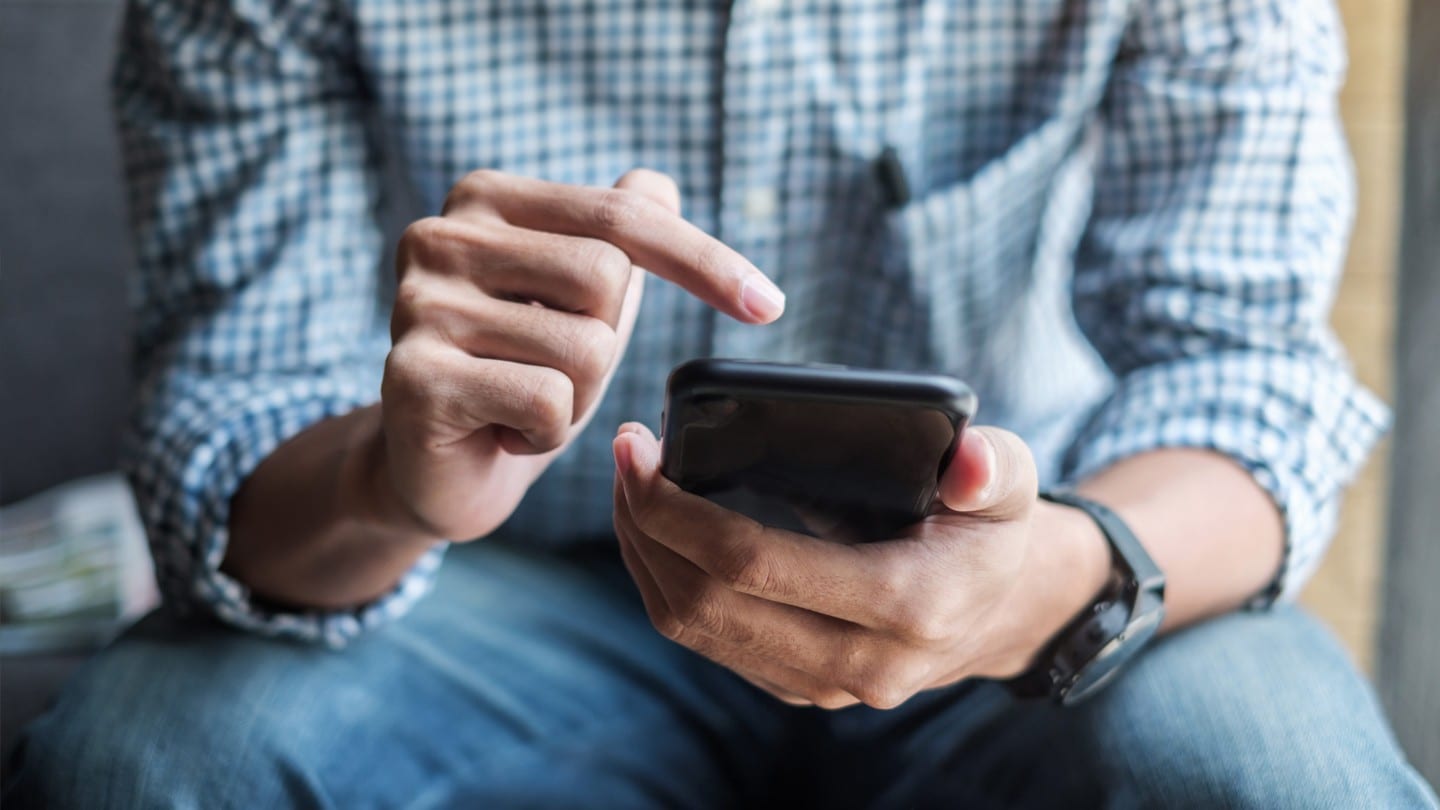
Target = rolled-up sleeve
(253,194)
(1222,206)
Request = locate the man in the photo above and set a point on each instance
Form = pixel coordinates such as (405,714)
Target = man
(934,186)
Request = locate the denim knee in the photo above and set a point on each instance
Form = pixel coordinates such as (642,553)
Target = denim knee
(70,760)
(1254,710)
(137,727)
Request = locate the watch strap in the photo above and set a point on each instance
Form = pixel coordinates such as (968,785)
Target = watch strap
(1129,554)
(1134,592)
(1077,643)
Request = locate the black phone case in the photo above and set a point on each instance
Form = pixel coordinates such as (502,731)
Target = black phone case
(843,453)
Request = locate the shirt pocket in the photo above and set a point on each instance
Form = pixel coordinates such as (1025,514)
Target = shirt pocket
(964,252)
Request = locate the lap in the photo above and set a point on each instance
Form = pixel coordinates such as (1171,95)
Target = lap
(1249,710)
(535,680)
(524,680)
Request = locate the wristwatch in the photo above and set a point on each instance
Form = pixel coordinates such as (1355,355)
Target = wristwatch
(1092,649)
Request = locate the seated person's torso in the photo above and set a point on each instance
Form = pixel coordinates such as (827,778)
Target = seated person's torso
(772,123)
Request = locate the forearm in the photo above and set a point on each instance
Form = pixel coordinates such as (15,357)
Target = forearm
(313,526)
(1212,530)
(1210,527)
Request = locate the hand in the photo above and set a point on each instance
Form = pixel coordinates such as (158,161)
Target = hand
(513,310)
(975,589)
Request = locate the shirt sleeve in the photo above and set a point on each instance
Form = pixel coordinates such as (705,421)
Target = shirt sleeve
(253,195)
(1221,210)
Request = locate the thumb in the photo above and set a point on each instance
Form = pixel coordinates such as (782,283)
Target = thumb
(992,472)
(637,453)
(658,186)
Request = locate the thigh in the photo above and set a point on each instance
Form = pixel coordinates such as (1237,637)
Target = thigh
(1253,710)
(524,680)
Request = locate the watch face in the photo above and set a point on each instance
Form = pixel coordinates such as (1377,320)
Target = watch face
(1112,657)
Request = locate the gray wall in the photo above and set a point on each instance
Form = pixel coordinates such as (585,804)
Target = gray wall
(1409,660)
(63,257)
(63,249)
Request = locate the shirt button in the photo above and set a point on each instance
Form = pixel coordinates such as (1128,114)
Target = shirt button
(760,204)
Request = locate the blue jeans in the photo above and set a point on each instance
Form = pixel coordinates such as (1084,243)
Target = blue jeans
(535,680)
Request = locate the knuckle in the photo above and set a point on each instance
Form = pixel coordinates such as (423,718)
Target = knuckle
(667,625)
(407,389)
(880,691)
(403,367)
(419,241)
(877,676)
(885,698)
(423,303)
(412,300)
(617,209)
(546,396)
(547,440)
(606,267)
(703,613)
(475,185)
(480,179)
(590,349)
(896,588)
(831,699)
(891,682)
(746,568)
(598,349)
(479,183)
(923,624)
(892,582)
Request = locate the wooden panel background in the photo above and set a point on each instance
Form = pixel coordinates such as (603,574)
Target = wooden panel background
(1344,592)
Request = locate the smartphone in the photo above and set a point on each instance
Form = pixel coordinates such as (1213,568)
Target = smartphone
(842,453)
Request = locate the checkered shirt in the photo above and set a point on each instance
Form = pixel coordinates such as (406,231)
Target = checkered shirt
(1121,222)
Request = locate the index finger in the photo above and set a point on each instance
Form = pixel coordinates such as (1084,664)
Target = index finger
(654,237)
(849,582)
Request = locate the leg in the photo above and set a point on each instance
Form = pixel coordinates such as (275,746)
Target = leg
(1254,710)
(524,680)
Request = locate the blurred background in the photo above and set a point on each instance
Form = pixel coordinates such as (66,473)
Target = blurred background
(71,563)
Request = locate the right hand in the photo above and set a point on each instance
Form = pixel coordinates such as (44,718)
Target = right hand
(513,310)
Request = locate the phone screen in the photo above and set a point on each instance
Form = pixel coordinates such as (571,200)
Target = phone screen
(849,471)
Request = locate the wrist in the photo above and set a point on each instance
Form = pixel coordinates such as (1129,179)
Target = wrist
(367,498)
(1068,565)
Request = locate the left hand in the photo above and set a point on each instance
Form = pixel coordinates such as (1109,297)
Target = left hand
(832,624)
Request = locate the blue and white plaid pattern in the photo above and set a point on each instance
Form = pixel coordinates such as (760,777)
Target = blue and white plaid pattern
(1179,161)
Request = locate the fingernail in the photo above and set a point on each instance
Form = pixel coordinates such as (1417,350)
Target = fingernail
(624,460)
(762,299)
(991,463)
